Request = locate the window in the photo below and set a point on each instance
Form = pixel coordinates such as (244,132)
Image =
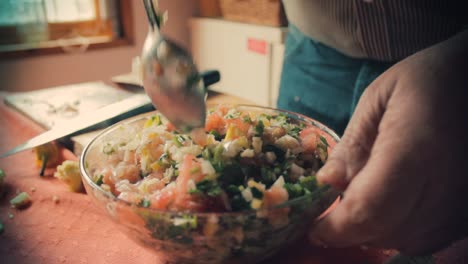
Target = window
(44,26)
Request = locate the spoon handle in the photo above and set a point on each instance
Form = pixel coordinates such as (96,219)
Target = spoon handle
(151,13)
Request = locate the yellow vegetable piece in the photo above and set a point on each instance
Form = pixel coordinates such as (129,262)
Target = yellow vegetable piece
(69,172)
(154,120)
(47,156)
(233,132)
(155,166)
(256,203)
(243,142)
(254,184)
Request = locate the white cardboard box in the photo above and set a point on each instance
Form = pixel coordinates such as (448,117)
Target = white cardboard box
(249,57)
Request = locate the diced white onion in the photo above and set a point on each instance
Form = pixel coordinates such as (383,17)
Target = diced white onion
(270,157)
(247,194)
(248,153)
(207,168)
(287,142)
(279,182)
(257,144)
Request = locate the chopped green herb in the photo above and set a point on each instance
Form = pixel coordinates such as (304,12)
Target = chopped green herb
(144,203)
(217,161)
(259,128)
(247,119)
(208,187)
(108,149)
(281,119)
(206,154)
(309,183)
(232,114)
(238,203)
(295,131)
(2,228)
(256,193)
(322,149)
(233,189)
(277,170)
(186,221)
(216,135)
(99,180)
(268,117)
(294,190)
(324,141)
(179,140)
(143,174)
(232,175)
(194,191)
(164,156)
(156,119)
(268,176)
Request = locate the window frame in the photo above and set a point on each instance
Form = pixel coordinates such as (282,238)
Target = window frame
(127,38)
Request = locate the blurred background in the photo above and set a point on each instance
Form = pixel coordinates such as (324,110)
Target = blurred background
(47,43)
(116,28)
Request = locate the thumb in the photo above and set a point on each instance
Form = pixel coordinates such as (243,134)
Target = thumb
(352,152)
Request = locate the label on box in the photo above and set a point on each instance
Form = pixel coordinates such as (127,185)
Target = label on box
(257,45)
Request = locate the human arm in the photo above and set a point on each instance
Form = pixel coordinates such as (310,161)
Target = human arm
(402,162)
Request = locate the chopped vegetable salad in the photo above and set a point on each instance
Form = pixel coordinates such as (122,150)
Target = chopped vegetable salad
(241,160)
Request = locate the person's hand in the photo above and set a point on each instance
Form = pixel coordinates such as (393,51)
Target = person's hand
(403,159)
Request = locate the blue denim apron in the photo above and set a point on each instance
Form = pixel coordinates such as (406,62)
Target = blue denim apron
(322,83)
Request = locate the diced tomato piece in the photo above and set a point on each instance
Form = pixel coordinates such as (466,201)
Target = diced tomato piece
(109,180)
(199,137)
(170,127)
(309,139)
(239,123)
(215,122)
(274,196)
(163,199)
(190,169)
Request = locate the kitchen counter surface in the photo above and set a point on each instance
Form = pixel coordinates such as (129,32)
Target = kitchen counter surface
(72,230)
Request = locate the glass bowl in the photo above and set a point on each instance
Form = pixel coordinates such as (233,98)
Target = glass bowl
(246,236)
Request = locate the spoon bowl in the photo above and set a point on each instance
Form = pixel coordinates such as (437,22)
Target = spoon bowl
(171,78)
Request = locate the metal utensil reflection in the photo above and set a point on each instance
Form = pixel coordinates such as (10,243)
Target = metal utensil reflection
(171,78)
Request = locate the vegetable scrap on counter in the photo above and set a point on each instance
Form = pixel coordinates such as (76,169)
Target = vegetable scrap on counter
(47,156)
(21,201)
(69,172)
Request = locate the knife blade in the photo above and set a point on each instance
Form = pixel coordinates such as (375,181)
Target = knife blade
(83,121)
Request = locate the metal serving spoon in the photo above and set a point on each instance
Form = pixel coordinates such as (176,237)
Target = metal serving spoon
(171,79)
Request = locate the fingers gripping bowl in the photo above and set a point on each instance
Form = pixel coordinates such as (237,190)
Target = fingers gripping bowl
(237,191)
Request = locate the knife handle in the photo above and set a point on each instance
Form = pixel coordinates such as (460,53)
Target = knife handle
(210,77)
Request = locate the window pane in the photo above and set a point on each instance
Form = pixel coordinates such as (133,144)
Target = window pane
(70,10)
(14,12)
(45,24)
